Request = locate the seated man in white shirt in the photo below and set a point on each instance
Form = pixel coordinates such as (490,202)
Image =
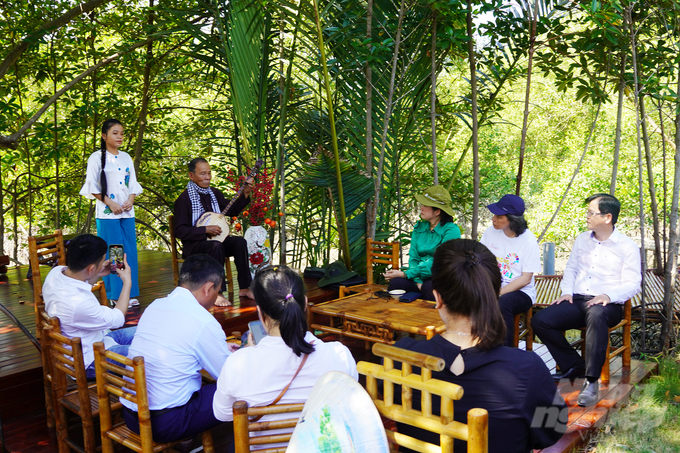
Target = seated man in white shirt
(602,273)
(177,336)
(68,296)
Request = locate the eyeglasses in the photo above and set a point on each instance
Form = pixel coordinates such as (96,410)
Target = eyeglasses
(589,214)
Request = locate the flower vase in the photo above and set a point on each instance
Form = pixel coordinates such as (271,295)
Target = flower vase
(259,253)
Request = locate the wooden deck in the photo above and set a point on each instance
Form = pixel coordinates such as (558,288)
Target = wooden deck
(21,390)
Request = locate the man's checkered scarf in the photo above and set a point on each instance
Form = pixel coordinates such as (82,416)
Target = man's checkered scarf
(196,206)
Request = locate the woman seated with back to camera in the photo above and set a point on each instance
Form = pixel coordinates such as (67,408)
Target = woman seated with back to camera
(288,354)
(514,386)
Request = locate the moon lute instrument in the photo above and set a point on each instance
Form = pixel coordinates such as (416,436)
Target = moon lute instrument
(219,218)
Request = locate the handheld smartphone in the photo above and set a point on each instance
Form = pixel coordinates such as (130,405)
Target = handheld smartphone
(257,330)
(116,257)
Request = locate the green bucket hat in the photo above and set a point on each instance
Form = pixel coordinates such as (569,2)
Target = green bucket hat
(335,273)
(437,197)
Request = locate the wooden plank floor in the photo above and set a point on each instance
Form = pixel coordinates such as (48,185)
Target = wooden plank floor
(22,402)
(21,389)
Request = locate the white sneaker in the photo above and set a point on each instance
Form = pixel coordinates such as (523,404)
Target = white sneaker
(133,303)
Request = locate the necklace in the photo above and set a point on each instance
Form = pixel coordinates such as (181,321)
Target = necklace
(460,333)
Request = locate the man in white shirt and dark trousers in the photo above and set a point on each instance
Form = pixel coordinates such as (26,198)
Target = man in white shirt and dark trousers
(68,296)
(602,273)
(178,336)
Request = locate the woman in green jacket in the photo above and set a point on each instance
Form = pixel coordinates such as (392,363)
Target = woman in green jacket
(435,228)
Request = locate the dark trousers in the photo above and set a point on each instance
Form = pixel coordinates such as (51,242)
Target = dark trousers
(513,304)
(411,287)
(234,246)
(177,423)
(550,322)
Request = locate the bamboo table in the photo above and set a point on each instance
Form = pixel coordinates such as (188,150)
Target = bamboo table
(368,318)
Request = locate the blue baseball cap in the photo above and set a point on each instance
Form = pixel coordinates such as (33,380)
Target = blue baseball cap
(509,204)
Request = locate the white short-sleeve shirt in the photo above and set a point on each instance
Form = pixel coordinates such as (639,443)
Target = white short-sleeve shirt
(257,374)
(515,256)
(121,181)
(79,311)
(177,338)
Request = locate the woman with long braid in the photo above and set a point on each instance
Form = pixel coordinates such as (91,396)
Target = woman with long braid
(112,181)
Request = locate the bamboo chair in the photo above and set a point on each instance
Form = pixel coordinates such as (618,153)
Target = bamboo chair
(524,330)
(624,350)
(177,258)
(66,357)
(548,289)
(46,322)
(44,250)
(243,426)
(475,432)
(377,252)
(132,387)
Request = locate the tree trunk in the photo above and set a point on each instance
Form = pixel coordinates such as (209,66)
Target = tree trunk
(141,124)
(56,137)
(433,98)
(667,330)
(525,121)
(28,165)
(475,145)
(619,116)
(16,225)
(370,218)
(280,182)
(672,262)
(388,115)
(652,188)
(2,213)
(665,188)
(342,230)
(641,187)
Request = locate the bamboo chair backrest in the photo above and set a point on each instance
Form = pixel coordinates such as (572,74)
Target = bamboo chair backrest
(547,288)
(46,322)
(66,359)
(378,252)
(43,250)
(475,432)
(243,426)
(111,378)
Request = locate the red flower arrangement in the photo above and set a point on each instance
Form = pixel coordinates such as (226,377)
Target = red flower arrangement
(260,198)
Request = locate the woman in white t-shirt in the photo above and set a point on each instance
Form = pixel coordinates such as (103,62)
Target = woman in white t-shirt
(288,354)
(112,181)
(518,256)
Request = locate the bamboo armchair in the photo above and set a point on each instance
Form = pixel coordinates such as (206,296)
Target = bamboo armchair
(475,432)
(243,426)
(129,383)
(66,358)
(548,289)
(177,258)
(44,250)
(377,252)
(624,350)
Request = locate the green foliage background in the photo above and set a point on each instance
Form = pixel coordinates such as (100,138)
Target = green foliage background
(192,111)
